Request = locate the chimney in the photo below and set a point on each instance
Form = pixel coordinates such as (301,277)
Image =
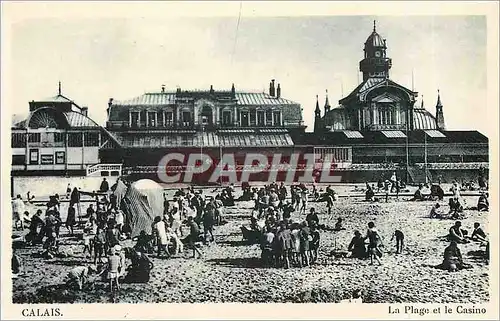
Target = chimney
(211,89)
(85,110)
(278,91)
(110,102)
(233,91)
(162,88)
(271,88)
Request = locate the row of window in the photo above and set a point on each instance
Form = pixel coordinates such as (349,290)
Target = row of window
(18,140)
(44,159)
(246,118)
(332,154)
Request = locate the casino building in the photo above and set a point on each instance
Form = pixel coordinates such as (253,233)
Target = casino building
(212,122)
(382,130)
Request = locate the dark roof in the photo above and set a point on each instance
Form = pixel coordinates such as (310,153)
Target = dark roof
(203,139)
(74,120)
(370,83)
(377,137)
(168,98)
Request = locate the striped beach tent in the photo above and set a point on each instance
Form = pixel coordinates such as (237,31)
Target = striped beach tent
(142,202)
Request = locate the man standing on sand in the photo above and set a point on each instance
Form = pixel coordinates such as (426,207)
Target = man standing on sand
(104,186)
(194,236)
(160,231)
(17,211)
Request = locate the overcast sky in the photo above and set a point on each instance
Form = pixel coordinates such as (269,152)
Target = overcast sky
(96,59)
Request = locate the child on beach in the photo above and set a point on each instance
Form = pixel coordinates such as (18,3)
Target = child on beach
(87,241)
(399,240)
(375,242)
(114,266)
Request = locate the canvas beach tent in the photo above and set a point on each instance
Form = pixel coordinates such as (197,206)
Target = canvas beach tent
(141,203)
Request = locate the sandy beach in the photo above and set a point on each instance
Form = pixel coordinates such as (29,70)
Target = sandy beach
(230,270)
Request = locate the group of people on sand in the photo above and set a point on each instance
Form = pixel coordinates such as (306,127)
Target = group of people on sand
(287,243)
(452,258)
(190,209)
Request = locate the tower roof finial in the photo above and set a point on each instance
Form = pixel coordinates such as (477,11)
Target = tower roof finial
(439,104)
(317,110)
(374,25)
(59,91)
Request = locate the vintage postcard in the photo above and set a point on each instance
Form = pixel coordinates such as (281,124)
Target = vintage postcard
(249,160)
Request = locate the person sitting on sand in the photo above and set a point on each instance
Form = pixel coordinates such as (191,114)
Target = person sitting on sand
(457,234)
(312,217)
(143,242)
(78,276)
(33,237)
(369,194)
(399,240)
(436,211)
(140,268)
(478,233)
(437,192)
(483,204)
(375,242)
(453,260)
(357,246)
(456,207)
(338,225)
(418,196)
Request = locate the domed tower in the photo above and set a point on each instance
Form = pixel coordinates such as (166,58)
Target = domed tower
(375,64)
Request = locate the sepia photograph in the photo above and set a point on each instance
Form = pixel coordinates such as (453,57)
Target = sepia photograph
(246,158)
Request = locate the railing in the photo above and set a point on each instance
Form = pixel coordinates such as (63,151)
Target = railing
(386,126)
(472,165)
(97,169)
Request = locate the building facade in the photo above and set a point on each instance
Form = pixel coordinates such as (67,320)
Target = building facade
(212,122)
(378,128)
(378,103)
(57,137)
